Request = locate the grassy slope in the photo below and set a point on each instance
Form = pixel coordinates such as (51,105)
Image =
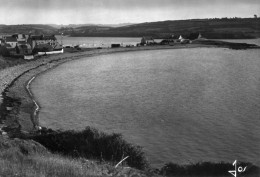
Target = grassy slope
(20,157)
(29,158)
(26,29)
(6,62)
(210,28)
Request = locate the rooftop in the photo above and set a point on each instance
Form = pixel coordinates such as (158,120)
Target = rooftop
(10,39)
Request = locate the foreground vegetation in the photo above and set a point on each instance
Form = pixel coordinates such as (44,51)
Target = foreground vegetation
(91,143)
(67,153)
(6,62)
(30,159)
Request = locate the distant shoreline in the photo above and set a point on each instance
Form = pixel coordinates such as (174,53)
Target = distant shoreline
(15,88)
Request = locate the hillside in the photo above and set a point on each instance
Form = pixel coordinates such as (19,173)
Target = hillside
(210,28)
(233,28)
(27,158)
(90,24)
(26,29)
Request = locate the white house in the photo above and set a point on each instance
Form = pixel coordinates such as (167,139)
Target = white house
(181,38)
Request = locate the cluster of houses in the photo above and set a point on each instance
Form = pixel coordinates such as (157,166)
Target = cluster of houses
(172,40)
(21,44)
(28,45)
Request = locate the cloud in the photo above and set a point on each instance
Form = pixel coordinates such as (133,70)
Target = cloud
(119,4)
(120,11)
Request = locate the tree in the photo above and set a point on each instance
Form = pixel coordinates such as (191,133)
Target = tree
(255,16)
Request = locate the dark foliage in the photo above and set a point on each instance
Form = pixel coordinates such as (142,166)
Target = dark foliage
(239,28)
(4,51)
(193,36)
(26,29)
(90,143)
(42,48)
(230,45)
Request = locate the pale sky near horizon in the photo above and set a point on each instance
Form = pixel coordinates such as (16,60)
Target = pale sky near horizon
(120,11)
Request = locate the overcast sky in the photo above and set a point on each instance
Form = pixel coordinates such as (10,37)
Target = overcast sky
(120,11)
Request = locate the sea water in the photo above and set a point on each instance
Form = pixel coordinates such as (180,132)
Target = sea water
(182,105)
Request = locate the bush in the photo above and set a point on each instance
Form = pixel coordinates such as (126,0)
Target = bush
(4,51)
(90,143)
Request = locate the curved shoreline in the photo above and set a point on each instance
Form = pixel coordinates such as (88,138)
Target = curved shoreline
(23,102)
(37,109)
(15,94)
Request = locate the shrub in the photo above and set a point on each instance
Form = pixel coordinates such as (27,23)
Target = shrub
(4,51)
(91,143)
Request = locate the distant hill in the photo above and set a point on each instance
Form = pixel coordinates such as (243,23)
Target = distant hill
(26,29)
(210,28)
(234,28)
(89,25)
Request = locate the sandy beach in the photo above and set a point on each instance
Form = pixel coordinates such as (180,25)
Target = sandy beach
(14,85)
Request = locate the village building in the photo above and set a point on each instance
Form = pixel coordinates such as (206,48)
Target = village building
(175,39)
(146,40)
(37,40)
(42,48)
(184,40)
(181,38)
(171,40)
(20,37)
(23,48)
(12,41)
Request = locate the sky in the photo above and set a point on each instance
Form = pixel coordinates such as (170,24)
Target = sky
(120,11)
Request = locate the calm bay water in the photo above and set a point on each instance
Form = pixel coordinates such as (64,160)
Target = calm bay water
(183,105)
(92,42)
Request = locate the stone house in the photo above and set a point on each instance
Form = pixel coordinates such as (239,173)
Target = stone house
(41,39)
